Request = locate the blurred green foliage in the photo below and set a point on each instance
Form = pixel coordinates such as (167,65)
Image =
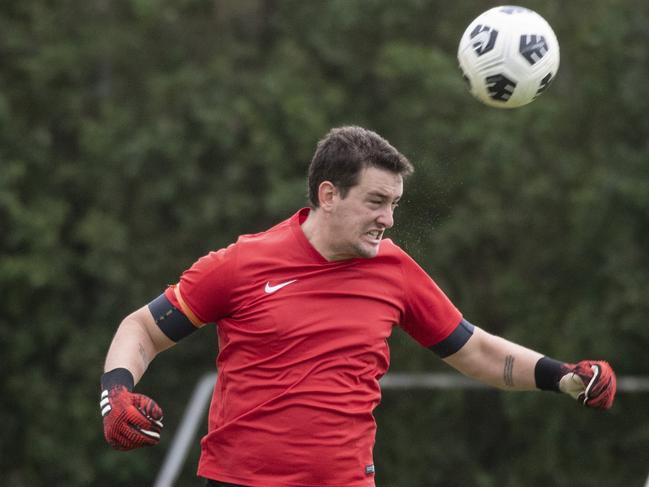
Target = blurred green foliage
(136,135)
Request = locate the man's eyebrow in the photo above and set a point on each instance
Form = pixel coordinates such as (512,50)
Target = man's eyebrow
(382,195)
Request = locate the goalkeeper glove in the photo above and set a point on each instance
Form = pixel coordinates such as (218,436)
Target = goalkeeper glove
(130,420)
(592,383)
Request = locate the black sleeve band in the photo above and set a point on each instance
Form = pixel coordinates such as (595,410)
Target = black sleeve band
(455,340)
(170,319)
(117,377)
(547,373)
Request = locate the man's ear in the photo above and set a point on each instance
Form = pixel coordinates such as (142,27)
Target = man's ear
(327,194)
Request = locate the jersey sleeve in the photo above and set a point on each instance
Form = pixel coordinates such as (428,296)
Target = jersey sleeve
(430,317)
(203,291)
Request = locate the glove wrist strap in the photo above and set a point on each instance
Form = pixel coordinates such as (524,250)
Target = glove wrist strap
(117,377)
(547,373)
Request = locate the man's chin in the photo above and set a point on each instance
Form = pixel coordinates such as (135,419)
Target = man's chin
(367,251)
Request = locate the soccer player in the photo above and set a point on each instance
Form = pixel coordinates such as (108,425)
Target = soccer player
(303,312)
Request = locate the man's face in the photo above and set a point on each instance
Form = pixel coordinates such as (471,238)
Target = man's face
(359,220)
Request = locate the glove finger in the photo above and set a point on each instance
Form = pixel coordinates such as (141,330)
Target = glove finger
(132,441)
(585,371)
(141,434)
(602,392)
(121,442)
(154,435)
(593,382)
(600,388)
(145,437)
(128,438)
(137,418)
(148,407)
(145,421)
(603,397)
(150,414)
(153,424)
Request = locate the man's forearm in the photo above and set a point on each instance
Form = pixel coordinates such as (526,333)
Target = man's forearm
(513,364)
(496,361)
(135,344)
(129,349)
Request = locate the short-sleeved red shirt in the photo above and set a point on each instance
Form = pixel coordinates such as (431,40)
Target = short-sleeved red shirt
(303,344)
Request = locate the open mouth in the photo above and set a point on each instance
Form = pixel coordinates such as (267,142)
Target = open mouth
(375,235)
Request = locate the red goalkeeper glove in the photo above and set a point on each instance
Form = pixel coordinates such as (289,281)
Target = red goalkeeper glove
(130,420)
(590,382)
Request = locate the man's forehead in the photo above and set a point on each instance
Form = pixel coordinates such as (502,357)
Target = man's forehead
(380,181)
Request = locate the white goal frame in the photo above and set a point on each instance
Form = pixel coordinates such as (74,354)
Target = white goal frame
(200,398)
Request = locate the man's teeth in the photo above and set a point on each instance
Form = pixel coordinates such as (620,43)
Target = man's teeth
(375,234)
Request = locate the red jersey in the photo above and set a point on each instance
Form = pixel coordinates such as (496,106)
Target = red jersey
(303,344)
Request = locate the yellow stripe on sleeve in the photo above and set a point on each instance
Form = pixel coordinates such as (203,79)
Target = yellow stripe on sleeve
(185,309)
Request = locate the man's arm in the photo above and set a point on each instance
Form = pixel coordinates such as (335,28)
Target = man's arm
(496,361)
(134,420)
(507,365)
(135,344)
(131,420)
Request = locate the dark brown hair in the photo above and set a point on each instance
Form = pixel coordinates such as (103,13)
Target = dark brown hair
(344,152)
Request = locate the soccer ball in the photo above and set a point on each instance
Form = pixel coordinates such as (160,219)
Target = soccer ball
(508,56)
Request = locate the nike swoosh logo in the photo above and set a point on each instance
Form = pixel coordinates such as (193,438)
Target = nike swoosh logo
(271,289)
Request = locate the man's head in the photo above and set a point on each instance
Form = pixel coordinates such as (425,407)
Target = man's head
(344,152)
(355,183)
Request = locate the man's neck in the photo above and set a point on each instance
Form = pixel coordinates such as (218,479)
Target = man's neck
(314,231)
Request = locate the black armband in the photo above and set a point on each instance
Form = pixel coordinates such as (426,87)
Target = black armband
(170,319)
(455,340)
(547,373)
(117,377)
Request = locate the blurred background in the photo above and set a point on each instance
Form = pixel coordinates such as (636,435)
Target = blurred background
(137,135)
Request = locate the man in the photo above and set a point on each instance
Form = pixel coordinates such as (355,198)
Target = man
(303,311)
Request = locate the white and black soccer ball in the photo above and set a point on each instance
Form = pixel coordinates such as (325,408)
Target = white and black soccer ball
(508,56)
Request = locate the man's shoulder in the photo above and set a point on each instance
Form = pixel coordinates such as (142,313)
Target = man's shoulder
(394,254)
(278,234)
(390,249)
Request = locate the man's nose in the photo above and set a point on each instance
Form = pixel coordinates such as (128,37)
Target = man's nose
(386,218)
